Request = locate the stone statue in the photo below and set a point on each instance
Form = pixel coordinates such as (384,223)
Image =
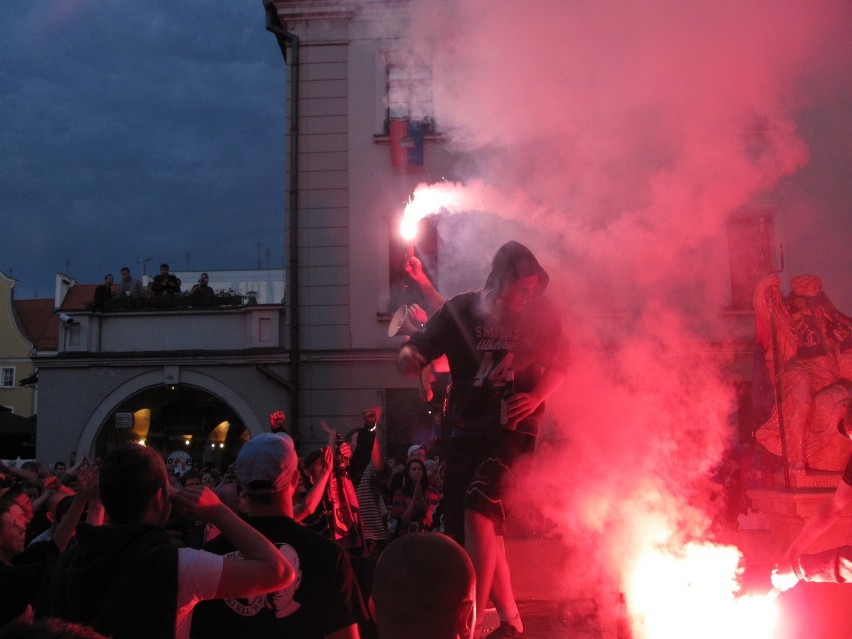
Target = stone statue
(807,344)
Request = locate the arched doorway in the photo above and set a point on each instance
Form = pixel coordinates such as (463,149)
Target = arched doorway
(178,420)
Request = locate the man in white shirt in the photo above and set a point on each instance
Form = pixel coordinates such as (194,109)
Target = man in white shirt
(127,580)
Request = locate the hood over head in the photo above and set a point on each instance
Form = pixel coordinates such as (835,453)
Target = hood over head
(514,261)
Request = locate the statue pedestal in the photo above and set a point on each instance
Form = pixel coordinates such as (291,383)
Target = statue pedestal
(787,512)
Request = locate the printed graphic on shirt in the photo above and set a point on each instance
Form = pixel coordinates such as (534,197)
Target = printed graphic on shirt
(497,344)
(282,602)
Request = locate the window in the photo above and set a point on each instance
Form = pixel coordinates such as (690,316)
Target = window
(408,92)
(8,378)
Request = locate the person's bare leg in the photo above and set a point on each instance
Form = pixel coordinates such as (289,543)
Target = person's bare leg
(487,552)
(501,587)
(480,542)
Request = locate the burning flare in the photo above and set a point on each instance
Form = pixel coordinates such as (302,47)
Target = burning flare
(692,593)
(427,200)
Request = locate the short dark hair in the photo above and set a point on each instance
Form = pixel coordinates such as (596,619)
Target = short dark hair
(189,474)
(125,269)
(312,457)
(419,584)
(164,265)
(6,504)
(129,478)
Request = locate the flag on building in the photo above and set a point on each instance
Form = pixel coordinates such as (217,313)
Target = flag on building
(406,142)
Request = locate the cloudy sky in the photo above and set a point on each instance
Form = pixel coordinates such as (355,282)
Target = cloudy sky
(133,130)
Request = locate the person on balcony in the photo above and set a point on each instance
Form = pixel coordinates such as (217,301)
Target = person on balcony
(165,283)
(129,285)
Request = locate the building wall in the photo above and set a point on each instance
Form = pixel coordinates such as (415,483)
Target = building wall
(79,396)
(15,352)
(350,202)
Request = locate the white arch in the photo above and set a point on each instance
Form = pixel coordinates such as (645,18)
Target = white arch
(155,378)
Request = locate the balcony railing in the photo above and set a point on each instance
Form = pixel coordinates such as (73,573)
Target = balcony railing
(135,303)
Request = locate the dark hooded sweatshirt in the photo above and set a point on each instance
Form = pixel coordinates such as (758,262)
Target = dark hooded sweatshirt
(481,346)
(120,579)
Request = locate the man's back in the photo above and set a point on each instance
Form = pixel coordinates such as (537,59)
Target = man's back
(121,580)
(325,596)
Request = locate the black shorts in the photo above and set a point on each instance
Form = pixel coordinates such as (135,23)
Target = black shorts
(479,477)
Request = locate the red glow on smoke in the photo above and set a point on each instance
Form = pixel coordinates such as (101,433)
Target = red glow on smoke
(693,592)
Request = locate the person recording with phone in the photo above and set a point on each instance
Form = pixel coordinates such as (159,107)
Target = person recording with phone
(330,506)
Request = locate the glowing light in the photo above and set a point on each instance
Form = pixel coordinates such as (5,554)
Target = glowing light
(220,433)
(141,423)
(693,593)
(428,201)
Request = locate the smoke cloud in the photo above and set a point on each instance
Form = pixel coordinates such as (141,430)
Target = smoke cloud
(616,139)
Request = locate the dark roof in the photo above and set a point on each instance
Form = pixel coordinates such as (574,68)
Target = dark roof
(39,322)
(15,424)
(78,297)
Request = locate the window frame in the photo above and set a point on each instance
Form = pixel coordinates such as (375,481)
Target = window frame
(3,371)
(417,81)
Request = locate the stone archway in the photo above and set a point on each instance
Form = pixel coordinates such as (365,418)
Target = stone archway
(154,379)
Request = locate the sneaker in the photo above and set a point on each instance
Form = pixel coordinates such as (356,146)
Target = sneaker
(505,629)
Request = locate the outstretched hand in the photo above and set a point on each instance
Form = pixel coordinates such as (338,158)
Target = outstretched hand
(414,267)
(277,419)
(87,482)
(783,577)
(417,314)
(372,415)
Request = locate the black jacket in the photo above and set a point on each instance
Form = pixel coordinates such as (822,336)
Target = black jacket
(120,579)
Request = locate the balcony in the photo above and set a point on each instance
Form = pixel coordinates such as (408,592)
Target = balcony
(144,325)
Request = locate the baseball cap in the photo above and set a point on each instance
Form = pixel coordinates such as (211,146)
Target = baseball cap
(413,449)
(266,463)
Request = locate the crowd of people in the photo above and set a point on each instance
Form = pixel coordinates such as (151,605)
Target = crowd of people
(329,516)
(339,544)
(164,285)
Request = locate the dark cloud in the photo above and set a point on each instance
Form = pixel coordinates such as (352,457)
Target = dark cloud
(133,130)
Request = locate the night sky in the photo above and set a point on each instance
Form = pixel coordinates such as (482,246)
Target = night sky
(133,130)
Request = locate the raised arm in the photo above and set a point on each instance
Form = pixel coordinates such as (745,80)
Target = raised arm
(87,485)
(414,268)
(315,493)
(262,569)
